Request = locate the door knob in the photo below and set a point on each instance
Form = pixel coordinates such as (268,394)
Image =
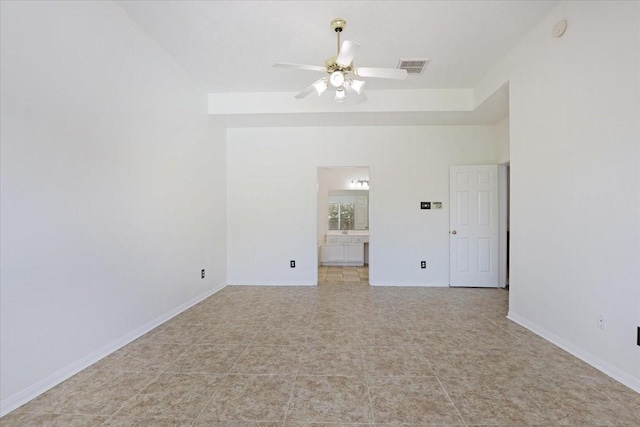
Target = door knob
(454,232)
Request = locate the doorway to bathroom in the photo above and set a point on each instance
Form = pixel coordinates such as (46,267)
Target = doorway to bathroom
(343,226)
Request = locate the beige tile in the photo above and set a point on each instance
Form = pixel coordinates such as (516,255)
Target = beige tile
(314,424)
(246,315)
(334,399)
(208,359)
(176,333)
(173,395)
(495,371)
(285,319)
(209,423)
(402,360)
(411,400)
(332,281)
(142,356)
(250,398)
(81,382)
(460,363)
(383,336)
(582,406)
(51,420)
(490,408)
(492,383)
(369,318)
(439,339)
(622,400)
(106,392)
(318,336)
(229,334)
(281,336)
(332,312)
(332,360)
(148,422)
(269,360)
(350,274)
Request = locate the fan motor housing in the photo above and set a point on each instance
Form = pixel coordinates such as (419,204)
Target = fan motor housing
(331,65)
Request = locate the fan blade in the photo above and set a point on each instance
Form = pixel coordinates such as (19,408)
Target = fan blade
(299,66)
(359,97)
(307,90)
(348,51)
(382,73)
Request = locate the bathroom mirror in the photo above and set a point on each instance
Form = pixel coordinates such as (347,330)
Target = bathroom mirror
(348,210)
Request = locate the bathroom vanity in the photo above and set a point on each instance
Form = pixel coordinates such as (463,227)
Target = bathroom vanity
(344,249)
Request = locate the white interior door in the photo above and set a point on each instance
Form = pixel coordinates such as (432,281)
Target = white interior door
(474,230)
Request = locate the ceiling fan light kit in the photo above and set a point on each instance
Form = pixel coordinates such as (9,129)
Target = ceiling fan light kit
(320,86)
(336,79)
(357,85)
(341,70)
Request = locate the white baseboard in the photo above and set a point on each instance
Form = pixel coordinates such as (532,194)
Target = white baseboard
(13,402)
(606,368)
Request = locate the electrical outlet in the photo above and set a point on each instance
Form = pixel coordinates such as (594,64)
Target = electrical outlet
(602,321)
(292,263)
(202,274)
(425,205)
(423,264)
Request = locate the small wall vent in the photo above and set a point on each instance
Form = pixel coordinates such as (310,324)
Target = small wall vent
(413,66)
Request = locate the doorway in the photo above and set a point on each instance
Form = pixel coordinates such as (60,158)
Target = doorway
(343,225)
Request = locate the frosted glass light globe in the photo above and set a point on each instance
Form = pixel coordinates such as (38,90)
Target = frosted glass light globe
(336,79)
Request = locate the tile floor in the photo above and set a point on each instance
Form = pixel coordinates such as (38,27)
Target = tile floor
(349,354)
(343,275)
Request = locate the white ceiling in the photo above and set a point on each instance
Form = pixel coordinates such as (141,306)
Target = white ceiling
(230,46)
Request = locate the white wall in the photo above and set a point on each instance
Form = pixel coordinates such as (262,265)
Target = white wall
(272,201)
(501,131)
(575,183)
(113,189)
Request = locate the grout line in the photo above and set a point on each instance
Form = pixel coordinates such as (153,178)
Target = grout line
(451,400)
(442,386)
(366,380)
(195,420)
(162,371)
(437,378)
(295,379)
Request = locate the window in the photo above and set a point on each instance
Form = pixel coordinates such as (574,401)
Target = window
(341,215)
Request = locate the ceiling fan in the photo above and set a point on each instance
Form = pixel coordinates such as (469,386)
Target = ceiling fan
(342,72)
